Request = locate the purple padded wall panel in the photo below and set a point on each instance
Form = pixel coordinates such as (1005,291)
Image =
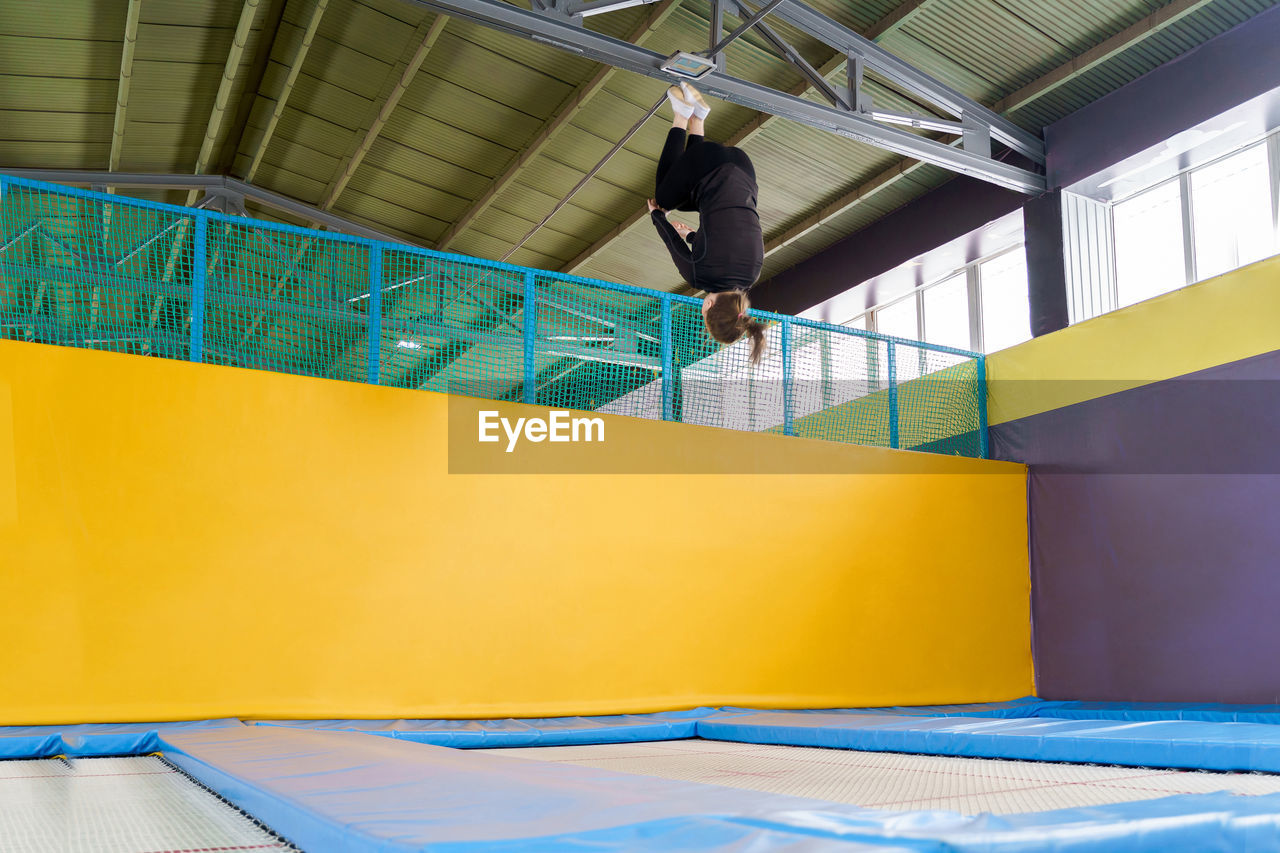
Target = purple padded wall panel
(1155,556)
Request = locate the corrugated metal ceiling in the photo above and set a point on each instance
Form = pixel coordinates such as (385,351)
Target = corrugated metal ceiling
(481,98)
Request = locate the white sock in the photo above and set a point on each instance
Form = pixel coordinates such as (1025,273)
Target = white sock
(678,104)
(699,110)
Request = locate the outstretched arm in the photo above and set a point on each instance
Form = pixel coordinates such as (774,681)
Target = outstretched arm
(676,245)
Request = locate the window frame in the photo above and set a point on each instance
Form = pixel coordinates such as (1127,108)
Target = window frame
(973,287)
(1270,143)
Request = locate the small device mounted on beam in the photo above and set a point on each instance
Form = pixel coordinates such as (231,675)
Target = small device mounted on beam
(691,66)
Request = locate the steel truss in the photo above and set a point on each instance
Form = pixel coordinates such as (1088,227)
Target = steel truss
(850,112)
(220,193)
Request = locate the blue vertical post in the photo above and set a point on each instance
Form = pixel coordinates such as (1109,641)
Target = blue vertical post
(893,395)
(788,397)
(375,314)
(984,448)
(668,364)
(198,272)
(530,331)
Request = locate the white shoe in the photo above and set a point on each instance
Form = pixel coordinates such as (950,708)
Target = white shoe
(682,107)
(694,97)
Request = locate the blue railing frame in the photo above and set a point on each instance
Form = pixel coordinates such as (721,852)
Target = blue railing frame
(375,313)
(788,398)
(668,302)
(198,272)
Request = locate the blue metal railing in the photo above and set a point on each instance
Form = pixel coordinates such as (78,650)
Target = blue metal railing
(918,409)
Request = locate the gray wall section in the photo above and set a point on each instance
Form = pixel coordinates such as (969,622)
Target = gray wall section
(1155,539)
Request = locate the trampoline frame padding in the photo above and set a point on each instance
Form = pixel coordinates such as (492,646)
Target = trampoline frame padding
(338,790)
(1182,744)
(367,785)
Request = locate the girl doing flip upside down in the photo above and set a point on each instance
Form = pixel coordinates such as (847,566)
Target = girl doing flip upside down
(724,256)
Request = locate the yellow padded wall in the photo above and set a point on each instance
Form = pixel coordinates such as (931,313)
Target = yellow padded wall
(184,541)
(1217,321)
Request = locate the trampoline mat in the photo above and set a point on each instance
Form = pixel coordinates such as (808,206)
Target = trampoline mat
(895,781)
(117,805)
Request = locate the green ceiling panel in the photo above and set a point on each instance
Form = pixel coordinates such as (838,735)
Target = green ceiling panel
(401,161)
(31,126)
(412,196)
(317,97)
(66,94)
(55,155)
(358,27)
(450,144)
(21,55)
(385,213)
(452,104)
(354,71)
(66,19)
(494,76)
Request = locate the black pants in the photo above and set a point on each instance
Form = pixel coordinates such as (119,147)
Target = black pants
(682,165)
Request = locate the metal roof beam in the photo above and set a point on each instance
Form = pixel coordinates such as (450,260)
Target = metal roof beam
(1121,41)
(429,35)
(903,74)
(896,19)
(880,29)
(295,68)
(1049,82)
(584,10)
(1038,88)
(566,36)
(790,54)
(567,111)
(126,79)
(595,170)
(198,183)
(849,200)
(748,21)
(248,12)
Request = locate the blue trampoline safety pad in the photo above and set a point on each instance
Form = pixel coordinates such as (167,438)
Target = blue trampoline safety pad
(94,738)
(1029,706)
(327,790)
(491,734)
(1184,744)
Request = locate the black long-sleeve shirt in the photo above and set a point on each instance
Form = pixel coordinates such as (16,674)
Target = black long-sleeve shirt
(727,250)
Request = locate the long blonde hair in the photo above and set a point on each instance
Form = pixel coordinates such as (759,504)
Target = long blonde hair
(727,321)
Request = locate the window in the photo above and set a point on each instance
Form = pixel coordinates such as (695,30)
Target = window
(862,321)
(1006,311)
(1207,221)
(1231,212)
(946,312)
(898,319)
(995,288)
(1150,259)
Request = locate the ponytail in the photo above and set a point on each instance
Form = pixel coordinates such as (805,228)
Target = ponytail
(756,330)
(727,322)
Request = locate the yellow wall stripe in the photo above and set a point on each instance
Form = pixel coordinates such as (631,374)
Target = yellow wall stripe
(1218,321)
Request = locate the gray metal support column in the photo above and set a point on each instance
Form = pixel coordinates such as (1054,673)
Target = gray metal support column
(1046,263)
